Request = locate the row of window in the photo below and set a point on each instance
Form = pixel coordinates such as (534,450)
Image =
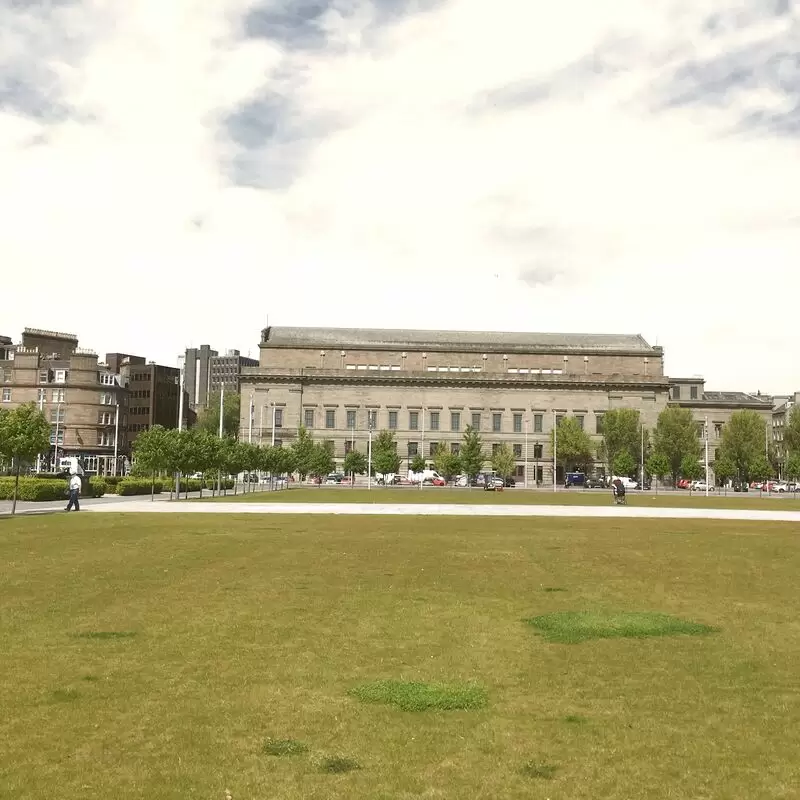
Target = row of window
(536,451)
(104,438)
(53,375)
(397,368)
(139,411)
(140,394)
(676,393)
(416,421)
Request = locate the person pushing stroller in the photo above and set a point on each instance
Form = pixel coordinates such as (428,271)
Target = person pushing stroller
(618,491)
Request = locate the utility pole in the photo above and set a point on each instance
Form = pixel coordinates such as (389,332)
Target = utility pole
(706,452)
(221,421)
(182,367)
(526,453)
(369,456)
(555,451)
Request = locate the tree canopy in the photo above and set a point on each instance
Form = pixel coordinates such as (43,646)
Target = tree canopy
(385,458)
(24,434)
(676,438)
(503,461)
(445,461)
(744,444)
(622,433)
(573,446)
(471,455)
(208,419)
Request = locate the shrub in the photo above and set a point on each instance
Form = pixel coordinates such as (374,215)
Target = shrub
(33,490)
(97,487)
(132,486)
(113,480)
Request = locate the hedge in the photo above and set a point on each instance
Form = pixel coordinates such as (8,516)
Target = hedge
(39,490)
(131,486)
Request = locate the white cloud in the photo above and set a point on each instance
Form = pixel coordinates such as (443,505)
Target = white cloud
(398,176)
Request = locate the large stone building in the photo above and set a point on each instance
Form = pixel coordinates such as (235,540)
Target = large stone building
(428,386)
(780,419)
(85,402)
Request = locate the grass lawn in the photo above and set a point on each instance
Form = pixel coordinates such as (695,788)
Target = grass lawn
(432,494)
(173,656)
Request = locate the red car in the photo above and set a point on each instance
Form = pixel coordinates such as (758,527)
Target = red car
(684,483)
(438,482)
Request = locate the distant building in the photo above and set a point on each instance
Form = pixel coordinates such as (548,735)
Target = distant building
(153,391)
(207,372)
(780,419)
(84,400)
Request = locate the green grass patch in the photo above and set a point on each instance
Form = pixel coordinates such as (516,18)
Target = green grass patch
(533,769)
(68,695)
(551,589)
(259,628)
(336,765)
(575,719)
(417,696)
(284,747)
(573,627)
(105,635)
(516,496)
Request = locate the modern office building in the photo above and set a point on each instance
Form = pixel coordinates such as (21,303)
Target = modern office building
(225,370)
(207,371)
(428,386)
(85,402)
(153,391)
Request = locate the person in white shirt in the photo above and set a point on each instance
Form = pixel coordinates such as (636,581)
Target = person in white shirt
(74,493)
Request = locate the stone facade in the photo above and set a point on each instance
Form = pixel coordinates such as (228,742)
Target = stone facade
(428,386)
(78,395)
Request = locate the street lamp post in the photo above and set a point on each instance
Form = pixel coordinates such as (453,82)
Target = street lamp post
(182,367)
(555,451)
(369,457)
(116,439)
(272,442)
(705,426)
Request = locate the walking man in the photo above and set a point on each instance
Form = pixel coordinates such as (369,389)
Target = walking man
(74,493)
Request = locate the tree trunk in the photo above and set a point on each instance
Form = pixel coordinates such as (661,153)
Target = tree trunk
(16,490)
(153,487)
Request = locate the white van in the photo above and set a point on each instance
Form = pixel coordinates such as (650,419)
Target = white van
(425,475)
(628,483)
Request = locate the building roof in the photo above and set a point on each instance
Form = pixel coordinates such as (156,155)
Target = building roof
(67,337)
(736,397)
(494,341)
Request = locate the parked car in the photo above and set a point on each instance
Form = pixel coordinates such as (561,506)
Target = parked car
(780,486)
(628,483)
(595,483)
(684,483)
(701,486)
(740,486)
(510,483)
(574,479)
(492,482)
(438,482)
(334,478)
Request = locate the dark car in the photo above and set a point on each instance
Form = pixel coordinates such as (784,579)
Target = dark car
(595,483)
(574,479)
(510,483)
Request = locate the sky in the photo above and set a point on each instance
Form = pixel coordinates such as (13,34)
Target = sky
(173,174)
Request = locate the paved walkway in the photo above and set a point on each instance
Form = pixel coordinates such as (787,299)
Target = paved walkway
(455,510)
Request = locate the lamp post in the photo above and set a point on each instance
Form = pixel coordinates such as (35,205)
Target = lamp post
(705,426)
(369,456)
(555,451)
(642,459)
(116,438)
(250,410)
(273,424)
(422,443)
(182,368)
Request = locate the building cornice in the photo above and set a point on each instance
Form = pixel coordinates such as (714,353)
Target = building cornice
(308,376)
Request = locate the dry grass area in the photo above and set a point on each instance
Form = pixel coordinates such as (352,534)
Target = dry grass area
(580,497)
(173,657)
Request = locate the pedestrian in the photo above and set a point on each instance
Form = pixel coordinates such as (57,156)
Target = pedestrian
(74,493)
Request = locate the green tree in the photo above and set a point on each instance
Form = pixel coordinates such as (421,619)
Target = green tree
(418,463)
(303,452)
(503,461)
(284,461)
(791,431)
(471,454)
(690,468)
(152,452)
(623,463)
(622,433)
(185,454)
(724,469)
(445,461)
(24,433)
(252,458)
(322,462)
(385,459)
(658,466)
(573,446)
(208,419)
(760,469)
(355,463)
(232,459)
(743,442)
(793,466)
(676,438)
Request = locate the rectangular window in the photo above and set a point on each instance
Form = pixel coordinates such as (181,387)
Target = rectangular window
(279,443)
(559,419)
(330,418)
(455,448)
(57,415)
(106,379)
(106,399)
(497,422)
(538,451)
(351,419)
(455,421)
(60,376)
(392,420)
(693,393)
(348,446)
(476,422)
(433,448)
(537,423)
(372,419)
(105,438)
(718,429)
(413,449)
(517,451)
(598,423)
(434,420)
(520,474)
(56,437)
(41,396)
(6,374)
(579,420)
(517,423)
(278,417)
(44,376)
(308,418)
(6,395)
(495,448)
(676,392)
(413,420)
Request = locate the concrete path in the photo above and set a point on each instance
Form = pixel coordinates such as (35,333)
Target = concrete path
(453,510)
